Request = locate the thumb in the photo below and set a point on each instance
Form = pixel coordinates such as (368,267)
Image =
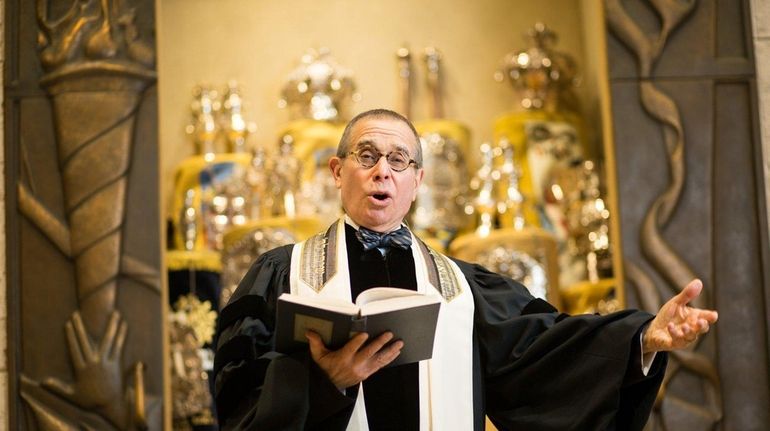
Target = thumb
(57,386)
(690,292)
(317,348)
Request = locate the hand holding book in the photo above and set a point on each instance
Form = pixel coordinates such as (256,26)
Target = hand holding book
(356,360)
(408,315)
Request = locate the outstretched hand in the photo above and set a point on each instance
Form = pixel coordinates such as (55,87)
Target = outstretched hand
(678,325)
(99,379)
(355,361)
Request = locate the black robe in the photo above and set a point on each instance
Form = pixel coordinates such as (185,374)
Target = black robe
(534,369)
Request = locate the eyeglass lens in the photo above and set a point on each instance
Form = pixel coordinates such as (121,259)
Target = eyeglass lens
(397,160)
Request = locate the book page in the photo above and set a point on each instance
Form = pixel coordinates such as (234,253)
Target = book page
(397,303)
(331,304)
(380,293)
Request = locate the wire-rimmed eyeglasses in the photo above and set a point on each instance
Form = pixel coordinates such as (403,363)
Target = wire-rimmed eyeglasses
(398,160)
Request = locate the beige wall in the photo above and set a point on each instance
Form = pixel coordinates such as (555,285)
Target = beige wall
(760,14)
(259,42)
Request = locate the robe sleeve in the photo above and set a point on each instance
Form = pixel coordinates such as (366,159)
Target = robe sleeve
(257,388)
(542,370)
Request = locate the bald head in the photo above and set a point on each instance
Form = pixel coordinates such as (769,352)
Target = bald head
(344,146)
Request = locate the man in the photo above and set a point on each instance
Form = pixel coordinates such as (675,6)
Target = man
(497,352)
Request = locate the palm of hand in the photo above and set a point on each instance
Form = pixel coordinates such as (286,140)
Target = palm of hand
(97,382)
(678,325)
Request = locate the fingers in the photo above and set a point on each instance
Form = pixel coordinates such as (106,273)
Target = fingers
(678,323)
(109,335)
(355,361)
(57,386)
(702,322)
(354,347)
(684,312)
(378,354)
(354,344)
(676,331)
(682,334)
(121,338)
(357,350)
(75,352)
(688,331)
(703,326)
(317,347)
(85,341)
(376,345)
(388,354)
(710,316)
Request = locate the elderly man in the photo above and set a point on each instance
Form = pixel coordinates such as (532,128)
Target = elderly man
(497,350)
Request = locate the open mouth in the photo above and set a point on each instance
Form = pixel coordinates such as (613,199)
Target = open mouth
(380,197)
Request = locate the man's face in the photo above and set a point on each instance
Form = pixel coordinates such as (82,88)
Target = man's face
(378,197)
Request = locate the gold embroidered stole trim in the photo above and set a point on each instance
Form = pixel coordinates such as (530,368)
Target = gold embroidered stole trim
(319,258)
(319,264)
(440,273)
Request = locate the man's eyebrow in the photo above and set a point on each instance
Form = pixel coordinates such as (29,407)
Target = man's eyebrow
(368,143)
(365,143)
(403,148)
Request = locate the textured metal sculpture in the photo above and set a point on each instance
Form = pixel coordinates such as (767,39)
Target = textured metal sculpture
(319,88)
(656,249)
(439,209)
(404,58)
(541,76)
(97,69)
(191,328)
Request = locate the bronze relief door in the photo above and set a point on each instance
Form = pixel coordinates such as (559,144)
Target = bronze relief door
(83,221)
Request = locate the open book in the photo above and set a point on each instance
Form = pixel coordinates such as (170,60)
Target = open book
(409,315)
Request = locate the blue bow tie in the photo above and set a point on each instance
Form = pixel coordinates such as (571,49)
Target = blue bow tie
(370,239)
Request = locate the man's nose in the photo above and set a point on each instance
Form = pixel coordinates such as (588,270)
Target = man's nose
(382,168)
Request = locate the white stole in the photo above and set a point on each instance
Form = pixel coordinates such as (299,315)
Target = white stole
(446,380)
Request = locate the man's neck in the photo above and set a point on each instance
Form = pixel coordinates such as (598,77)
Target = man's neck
(355,225)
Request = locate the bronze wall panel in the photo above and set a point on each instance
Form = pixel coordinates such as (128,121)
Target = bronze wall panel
(730,15)
(47,300)
(713,42)
(737,262)
(43,286)
(697,122)
(643,172)
(22,70)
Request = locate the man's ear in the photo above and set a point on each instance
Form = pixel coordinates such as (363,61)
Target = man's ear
(417,181)
(335,166)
